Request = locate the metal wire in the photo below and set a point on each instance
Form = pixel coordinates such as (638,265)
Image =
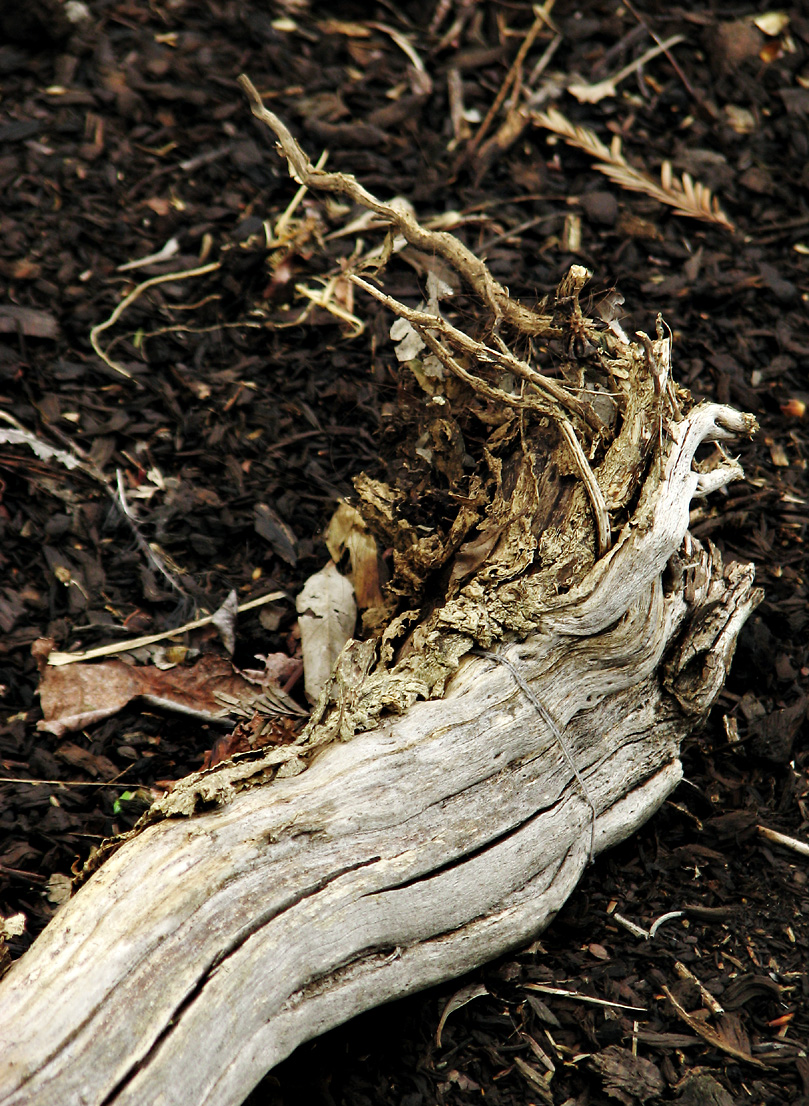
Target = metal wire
(548,720)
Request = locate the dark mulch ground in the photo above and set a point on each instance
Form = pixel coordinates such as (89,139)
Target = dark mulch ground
(127,131)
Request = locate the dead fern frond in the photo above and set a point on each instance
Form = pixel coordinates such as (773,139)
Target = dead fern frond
(686,196)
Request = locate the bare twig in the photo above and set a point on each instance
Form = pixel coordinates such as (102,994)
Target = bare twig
(630,926)
(591,484)
(69,783)
(675,65)
(75,460)
(594,93)
(685,973)
(144,546)
(425,323)
(58,659)
(445,245)
(710,1035)
(469,266)
(168,251)
(284,218)
(576,996)
(421,80)
(671,916)
(513,77)
(777,838)
(424,320)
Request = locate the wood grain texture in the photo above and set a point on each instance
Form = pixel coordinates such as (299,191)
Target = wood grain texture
(207,948)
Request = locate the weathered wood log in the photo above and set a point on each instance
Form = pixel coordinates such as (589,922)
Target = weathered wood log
(463,765)
(208,947)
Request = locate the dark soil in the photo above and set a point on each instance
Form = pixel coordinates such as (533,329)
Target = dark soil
(235,435)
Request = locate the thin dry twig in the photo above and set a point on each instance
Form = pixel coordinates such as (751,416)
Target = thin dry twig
(630,926)
(482,352)
(594,93)
(69,783)
(710,1035)
(279,230)
(675,65)
(445,245)
(513,78)
(76,460)
(777,838)
(669,916)
(120,498)
(58,659)
(687,197)
(470,266)
(597,500)
(130,299)
(421,81)
(577,996)
(705,994)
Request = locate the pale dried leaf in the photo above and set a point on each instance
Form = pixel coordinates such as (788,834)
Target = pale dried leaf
(44,451)
(12,926)
(771,23)
(225,621)
(408,342)
(328,614)
(459,999)
(59,888)
(95,765)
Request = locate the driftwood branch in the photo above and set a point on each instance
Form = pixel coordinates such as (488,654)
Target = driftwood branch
(440,805)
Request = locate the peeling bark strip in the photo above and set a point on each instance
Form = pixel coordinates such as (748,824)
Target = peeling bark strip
(431,816)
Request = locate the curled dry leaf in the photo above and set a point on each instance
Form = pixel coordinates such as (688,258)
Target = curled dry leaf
(459,999)
(347,533)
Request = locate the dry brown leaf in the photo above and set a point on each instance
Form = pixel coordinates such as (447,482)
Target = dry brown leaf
(347,532)
(687,197)
(79,695)
(459,999)
(94,764)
